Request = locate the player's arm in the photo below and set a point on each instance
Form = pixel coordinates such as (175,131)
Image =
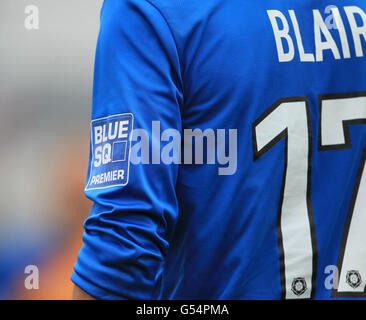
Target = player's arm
(127,233)
(80,294)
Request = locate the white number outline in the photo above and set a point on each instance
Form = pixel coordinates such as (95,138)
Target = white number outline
(321,147)
(259,153)
(355,192)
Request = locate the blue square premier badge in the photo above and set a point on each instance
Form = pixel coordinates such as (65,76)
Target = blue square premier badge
(110,146)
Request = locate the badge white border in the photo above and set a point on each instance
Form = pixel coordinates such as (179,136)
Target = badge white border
(129,151)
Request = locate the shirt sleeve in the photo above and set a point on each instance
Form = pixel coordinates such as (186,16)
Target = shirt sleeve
(136,81)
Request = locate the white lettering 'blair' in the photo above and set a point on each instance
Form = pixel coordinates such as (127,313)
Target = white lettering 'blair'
(285,28)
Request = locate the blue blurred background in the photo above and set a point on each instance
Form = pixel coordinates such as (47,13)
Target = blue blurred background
(45,100)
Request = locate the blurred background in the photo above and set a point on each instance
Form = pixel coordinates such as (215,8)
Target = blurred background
(45,104)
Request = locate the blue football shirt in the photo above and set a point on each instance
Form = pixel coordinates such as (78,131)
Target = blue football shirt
(284,82)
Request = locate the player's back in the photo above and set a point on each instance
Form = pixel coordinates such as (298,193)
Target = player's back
(277,90)
(291,78)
